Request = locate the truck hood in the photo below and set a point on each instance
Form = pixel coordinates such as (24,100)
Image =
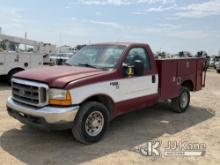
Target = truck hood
(58,76)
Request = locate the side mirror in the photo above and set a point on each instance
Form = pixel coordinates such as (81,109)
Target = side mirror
(128,70)
(138,68)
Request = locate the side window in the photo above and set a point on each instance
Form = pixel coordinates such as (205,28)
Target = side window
(138,54)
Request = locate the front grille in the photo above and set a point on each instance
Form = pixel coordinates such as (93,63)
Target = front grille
(28,92)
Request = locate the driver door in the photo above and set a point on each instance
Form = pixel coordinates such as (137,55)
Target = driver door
(138,91)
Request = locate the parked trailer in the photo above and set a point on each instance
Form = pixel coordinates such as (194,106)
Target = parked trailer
(101,82)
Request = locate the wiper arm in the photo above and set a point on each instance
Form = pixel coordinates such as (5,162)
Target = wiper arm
(87,65)
(68,64)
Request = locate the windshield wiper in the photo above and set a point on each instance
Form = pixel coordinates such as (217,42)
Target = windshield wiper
(68,64)
(88,65)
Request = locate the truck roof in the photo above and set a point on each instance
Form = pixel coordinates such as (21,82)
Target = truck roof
(179,58)
(120,43)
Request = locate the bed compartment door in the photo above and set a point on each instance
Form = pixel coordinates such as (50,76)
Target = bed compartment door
(169,87)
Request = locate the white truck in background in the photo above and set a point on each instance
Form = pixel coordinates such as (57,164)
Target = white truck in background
(12,62)
(217,63)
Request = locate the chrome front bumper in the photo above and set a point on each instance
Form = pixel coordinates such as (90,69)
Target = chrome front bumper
(42,117)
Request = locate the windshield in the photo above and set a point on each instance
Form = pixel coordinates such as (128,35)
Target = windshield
(97,56)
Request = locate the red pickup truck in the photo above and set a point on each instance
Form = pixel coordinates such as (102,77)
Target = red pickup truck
(99,83)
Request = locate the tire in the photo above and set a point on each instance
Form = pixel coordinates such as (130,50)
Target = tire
(181,103)
(10,75)
(91,122)
(218,71)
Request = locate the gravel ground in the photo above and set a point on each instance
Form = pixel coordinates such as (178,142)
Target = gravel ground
(21,144)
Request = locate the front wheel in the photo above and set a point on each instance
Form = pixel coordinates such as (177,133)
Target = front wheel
(91,122)
(181,103)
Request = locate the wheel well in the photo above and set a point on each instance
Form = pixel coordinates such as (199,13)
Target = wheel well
(107,101)
(188,84)
(15,69)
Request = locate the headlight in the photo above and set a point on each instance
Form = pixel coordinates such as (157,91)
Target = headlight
(59,97)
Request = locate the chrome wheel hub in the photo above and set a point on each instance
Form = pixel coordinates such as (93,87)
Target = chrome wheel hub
(184,100)
(94,123)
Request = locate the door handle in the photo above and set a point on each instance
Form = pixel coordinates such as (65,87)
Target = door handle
(153,79)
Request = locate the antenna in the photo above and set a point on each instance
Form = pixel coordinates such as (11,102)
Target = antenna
(25,46)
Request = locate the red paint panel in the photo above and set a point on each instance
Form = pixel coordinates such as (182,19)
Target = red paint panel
(168,79)
(186,67)
(199,75)
(58,76)
(134,104)
(174,72)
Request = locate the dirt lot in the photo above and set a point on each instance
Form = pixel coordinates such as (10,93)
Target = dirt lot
(20,144)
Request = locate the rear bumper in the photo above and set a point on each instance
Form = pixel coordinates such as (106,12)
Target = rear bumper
(48,117)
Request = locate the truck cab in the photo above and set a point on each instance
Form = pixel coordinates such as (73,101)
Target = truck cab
(99,83)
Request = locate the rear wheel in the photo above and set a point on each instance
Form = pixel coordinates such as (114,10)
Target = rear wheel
(181,103)
(91,122)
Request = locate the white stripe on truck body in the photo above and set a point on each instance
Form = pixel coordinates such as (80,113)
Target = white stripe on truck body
(118,90)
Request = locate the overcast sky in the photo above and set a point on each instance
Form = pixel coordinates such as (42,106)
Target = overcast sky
(170,25)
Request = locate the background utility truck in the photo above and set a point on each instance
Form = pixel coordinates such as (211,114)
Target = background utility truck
(99,83)
(15,61)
